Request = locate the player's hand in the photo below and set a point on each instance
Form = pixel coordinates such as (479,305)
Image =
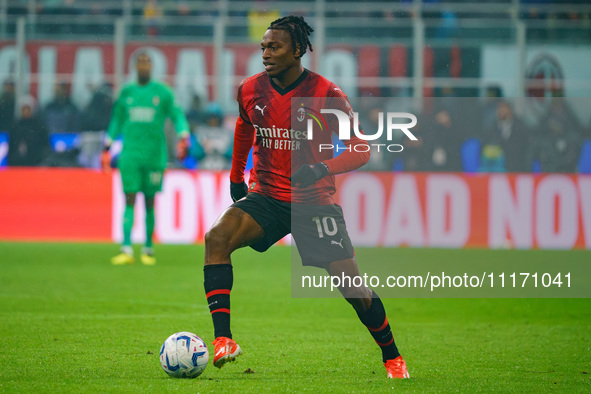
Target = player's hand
(106,160)
(182,148)
(238,190)
(307,174)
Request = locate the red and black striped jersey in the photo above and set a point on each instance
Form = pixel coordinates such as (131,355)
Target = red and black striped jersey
(280,139)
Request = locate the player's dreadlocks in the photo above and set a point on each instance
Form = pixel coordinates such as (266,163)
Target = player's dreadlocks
(298,29)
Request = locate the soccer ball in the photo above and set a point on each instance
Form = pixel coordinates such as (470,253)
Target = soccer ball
(184,355)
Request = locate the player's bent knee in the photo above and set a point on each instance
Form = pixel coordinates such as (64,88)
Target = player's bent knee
(214,238)
(217,240)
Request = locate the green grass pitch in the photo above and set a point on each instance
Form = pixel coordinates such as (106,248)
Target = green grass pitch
(71,322)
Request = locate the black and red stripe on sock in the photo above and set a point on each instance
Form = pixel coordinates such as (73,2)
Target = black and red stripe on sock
(218,280)
(374,318)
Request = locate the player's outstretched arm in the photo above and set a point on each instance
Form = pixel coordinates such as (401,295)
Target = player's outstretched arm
(118,117)
(351,158)
(182,147)
(113,131)
(181,125)
(243,139)
(357,153)
(176,114)
(106,158)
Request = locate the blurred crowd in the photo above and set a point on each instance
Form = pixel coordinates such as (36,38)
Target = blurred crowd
(153,10)
(454,134)
(195,18)
(486,135)
(180,19)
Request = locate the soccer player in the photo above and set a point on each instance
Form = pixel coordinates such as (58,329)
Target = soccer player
(261,213)
(139,115)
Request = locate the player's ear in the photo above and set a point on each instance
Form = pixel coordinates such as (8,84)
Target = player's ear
(297,51)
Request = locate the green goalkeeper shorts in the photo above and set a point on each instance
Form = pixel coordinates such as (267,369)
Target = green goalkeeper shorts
(139,178)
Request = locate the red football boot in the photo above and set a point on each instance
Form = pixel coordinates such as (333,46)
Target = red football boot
(396,368)
(226,350)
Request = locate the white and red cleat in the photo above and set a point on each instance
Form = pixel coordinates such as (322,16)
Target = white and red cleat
(396,368)
(226,350)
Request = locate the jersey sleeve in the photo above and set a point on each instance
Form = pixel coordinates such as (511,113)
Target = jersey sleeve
(351,158)
(117,118)
(241,110)
(176,114)
(243,141)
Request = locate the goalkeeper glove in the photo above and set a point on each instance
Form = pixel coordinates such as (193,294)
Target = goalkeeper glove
(106,159)
(307,174)
(238,190)
(182,148)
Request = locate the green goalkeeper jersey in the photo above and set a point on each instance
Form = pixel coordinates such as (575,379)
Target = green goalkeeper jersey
(139,115)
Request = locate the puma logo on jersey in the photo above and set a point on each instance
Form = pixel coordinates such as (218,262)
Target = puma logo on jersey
(260,109)
(340,243)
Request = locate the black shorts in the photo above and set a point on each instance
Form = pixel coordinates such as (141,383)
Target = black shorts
(319,231)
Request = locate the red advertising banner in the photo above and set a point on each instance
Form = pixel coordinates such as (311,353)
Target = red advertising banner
(456,210)
(381,209)
(55,204)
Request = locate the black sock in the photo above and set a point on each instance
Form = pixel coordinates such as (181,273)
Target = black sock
(218,279)
(376,322)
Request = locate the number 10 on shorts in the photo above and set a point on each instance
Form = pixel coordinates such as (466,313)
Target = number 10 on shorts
(326,226)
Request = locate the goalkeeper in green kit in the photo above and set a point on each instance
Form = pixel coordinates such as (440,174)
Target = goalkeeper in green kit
(139,115)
